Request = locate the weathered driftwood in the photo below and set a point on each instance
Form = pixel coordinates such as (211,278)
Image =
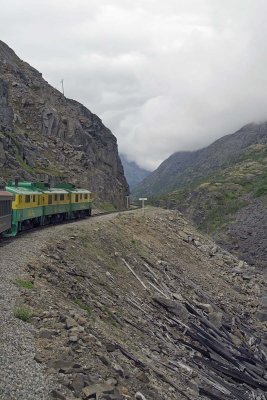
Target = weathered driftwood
(213,393)
(82,275)
(158,290)
(133,324)
(166,379)
(134,274)
(131,357)
(226,370)
(235,374)
(173,307)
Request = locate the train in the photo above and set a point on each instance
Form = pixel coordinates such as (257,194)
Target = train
(24,205)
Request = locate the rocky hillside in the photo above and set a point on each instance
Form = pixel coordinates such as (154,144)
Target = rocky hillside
(183,168)
(222,189)
(231,205)
(133,307)
(133,173)
(44,135)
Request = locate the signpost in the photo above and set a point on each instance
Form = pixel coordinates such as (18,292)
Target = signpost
(143,199)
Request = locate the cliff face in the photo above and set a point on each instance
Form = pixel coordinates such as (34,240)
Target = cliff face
(44,135)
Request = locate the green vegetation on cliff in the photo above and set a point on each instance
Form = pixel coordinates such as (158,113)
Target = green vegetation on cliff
(212,201)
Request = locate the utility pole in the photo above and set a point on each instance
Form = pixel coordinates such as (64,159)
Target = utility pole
(143,199)
(62,85)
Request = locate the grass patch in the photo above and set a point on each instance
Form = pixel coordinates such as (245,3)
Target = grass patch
(107,207)
(220,214)
(23,313)
(24,284)
(110,317)
(214,199)
(83,306)
(261,191)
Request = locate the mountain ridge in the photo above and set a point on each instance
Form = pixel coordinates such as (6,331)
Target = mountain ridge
(219,153)
(222,189)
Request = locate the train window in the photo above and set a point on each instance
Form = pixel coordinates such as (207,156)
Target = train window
(62,197)
(76,198)
(81,196)
(20,199)
(86,196)
(55,197)
(33,198)
(50,199)
(27,198)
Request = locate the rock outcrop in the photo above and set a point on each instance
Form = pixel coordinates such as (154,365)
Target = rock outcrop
(44,135)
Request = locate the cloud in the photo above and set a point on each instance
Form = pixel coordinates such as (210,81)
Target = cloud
(163,76)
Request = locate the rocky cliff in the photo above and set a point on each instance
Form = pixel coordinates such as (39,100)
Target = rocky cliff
(44,135)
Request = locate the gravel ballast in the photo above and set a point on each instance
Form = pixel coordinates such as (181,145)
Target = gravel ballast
(21,377)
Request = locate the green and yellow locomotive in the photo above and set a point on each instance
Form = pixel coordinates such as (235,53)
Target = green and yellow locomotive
(37,204)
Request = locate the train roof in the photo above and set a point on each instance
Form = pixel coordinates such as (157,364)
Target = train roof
(76,190)
(23,187)
(21,190)
(3,193)
(55,191)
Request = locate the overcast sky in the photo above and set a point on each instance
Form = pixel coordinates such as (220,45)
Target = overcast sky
(162,75)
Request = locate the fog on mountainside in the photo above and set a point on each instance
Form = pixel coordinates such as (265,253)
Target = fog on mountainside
(133,173)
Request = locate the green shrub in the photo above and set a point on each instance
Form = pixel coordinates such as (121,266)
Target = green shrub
(83,306)
(24,284)
(107,207)
(23,313)
(261,191)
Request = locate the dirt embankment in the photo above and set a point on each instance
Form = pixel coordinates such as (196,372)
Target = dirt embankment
(143,307)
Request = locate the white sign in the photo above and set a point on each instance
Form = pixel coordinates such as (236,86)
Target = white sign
(143,198)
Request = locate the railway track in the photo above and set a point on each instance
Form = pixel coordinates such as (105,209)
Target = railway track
(5,241)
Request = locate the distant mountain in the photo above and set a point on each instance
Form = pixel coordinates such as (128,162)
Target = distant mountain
(182,168)
(133,173)
(221,188)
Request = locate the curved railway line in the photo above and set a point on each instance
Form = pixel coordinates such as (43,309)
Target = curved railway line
(7,240)
(28,205)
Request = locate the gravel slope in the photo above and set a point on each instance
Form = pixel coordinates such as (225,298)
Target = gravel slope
(21,377)
(172,260)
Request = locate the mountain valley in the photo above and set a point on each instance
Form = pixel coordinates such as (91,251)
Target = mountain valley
(162,303)
(222,189)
